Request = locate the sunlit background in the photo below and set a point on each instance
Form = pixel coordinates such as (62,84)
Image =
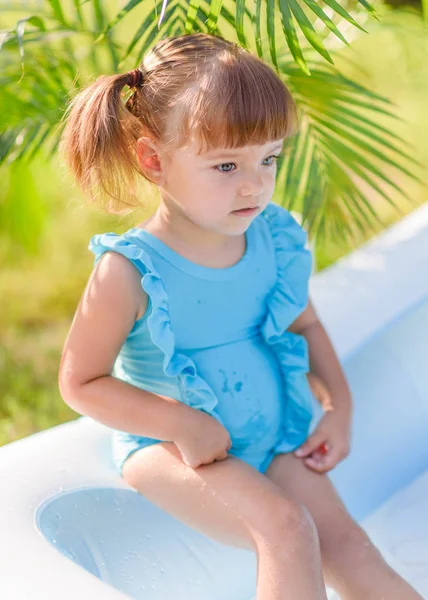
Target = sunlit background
(46,224)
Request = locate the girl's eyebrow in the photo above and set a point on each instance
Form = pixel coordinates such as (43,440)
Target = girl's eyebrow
(236,152)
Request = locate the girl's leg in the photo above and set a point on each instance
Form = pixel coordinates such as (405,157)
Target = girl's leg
(235,504)
(352,564)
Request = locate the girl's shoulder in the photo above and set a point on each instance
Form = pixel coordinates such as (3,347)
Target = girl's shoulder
(122,243)
(115,248)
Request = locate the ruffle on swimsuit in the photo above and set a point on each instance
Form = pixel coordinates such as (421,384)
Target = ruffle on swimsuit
(287,300)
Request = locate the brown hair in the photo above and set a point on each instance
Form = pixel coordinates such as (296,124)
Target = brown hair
(197,85)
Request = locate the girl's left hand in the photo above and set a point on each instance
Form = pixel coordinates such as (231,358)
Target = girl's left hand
(329,443)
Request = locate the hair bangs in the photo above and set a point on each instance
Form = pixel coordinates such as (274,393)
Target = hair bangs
(241,102)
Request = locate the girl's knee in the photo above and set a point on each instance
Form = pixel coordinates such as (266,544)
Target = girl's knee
(284,519)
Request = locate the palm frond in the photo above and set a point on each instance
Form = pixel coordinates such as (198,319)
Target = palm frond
(292,16)
(337,145)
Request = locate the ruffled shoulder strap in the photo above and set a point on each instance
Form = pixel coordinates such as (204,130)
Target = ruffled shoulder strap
(294,263)
(103,242)
(288,299)
(195,391)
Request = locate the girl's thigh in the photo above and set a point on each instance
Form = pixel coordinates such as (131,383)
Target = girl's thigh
(227,500)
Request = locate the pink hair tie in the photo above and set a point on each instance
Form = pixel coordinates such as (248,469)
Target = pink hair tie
(136,77)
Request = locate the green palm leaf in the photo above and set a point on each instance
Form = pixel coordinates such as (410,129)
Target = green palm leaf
(215,7)
(342,13)
(290,10)
(270,22)
(189,26)
(307,28)
(291,35)
(326,20)
(257,26)
(335,142)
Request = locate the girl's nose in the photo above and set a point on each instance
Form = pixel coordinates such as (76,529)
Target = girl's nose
(252,185)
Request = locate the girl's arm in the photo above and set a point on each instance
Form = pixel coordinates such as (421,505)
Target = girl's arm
(323,359)
(112,301)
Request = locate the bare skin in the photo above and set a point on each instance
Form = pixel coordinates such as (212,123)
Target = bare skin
(352,565)
(231,502)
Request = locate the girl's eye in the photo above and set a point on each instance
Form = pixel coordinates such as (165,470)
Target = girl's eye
(269,165)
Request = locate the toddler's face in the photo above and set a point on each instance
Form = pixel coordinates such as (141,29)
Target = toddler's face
(209,186)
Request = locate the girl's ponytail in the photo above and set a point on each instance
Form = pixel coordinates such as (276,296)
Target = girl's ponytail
(99,139)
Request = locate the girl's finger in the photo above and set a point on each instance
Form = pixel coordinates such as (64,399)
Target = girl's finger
(311,444)
(321,451)
(317,465)
(323,448)
(325,463)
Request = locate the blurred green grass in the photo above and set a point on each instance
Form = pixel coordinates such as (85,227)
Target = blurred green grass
(40,291)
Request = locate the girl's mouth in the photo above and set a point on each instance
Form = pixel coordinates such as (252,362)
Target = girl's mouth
(245,212)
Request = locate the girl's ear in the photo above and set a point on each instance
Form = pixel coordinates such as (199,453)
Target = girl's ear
(149,161)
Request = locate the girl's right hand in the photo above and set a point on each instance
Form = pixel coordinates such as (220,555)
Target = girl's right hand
(203,440)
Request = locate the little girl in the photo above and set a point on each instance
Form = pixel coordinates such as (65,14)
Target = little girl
(193,338)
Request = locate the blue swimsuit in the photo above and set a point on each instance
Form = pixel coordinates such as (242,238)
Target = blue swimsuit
(217,340)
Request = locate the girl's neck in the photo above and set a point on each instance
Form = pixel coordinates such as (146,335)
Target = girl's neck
(182,235)
(180,230)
